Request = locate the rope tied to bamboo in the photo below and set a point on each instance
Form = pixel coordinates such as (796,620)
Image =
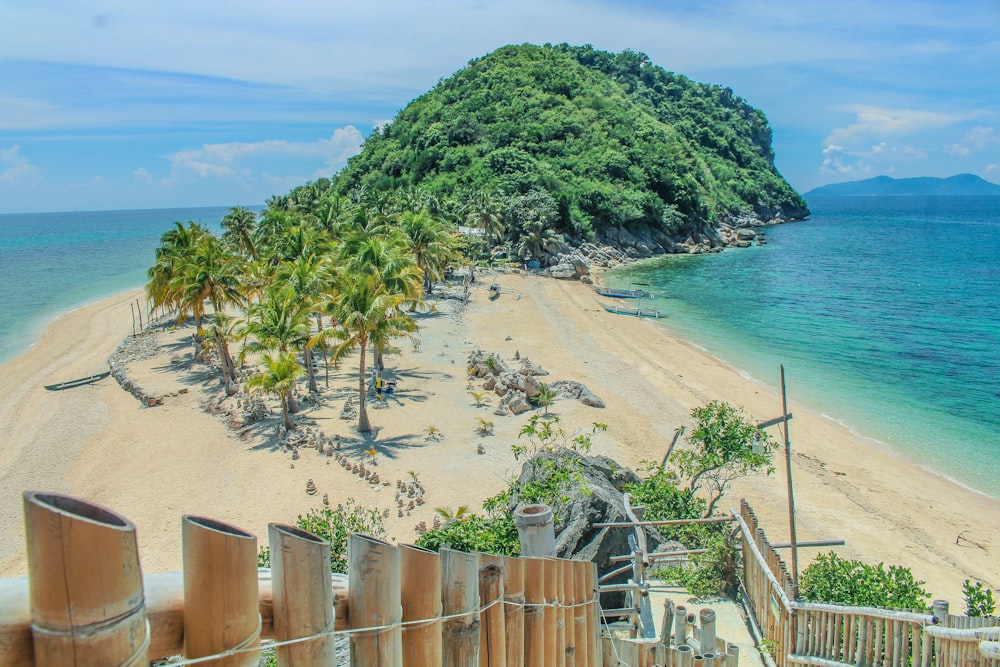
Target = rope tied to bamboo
(89,628)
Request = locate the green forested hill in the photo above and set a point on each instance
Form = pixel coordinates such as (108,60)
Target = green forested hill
(616,141)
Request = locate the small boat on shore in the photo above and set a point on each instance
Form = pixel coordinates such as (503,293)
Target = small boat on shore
(615,293)
(630,310)
(69,384)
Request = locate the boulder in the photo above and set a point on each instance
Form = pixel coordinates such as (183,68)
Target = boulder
(595,498)
(489,382)
(563,271)
(518,406)
(530,368)
(532,386)
(746,234)
(588,397)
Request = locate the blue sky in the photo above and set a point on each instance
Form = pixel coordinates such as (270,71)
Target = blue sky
(116,104)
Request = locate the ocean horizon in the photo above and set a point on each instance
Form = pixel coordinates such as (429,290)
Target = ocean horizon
(883,311)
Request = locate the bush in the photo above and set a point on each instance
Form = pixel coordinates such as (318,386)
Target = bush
(832,579)
(333,524)
(489,534)
(978,599)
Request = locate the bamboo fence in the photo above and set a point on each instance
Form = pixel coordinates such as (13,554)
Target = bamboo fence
(827,635)
(86,602)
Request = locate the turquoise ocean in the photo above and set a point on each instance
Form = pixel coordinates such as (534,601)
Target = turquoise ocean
(54,262)
(884,311)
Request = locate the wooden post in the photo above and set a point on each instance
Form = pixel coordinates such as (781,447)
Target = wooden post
(374,600)
(302,594)
(567,597)
(791,494)
(220,592)
(492,629)
(131,307)
(680,625)
(513,595)
(87,602)
(459,595)
(534,601)
(139,310)
(667,624)
(421,602)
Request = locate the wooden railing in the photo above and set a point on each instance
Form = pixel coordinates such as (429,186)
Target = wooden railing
(825,635)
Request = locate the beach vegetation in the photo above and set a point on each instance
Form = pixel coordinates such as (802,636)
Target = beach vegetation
(837,580)
(492,534)
(278,377)
(480,398)
(545,397)
(979,599)
(238,227)
(334,524)
(725,444)
(485,427)
(433,433)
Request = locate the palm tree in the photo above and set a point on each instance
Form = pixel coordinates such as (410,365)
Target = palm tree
(537,239)
(279,376)
(367,312)
(225,329)
(429,242)
(177,247)
(277,323)
(308,277)
(485,211)
(239,225)
(208,274)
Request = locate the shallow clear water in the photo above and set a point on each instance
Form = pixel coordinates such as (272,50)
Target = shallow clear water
(52,262)
(884,311)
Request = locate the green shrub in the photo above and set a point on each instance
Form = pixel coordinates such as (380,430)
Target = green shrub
(333,524)
(489,534)
(835,580)
(978,599)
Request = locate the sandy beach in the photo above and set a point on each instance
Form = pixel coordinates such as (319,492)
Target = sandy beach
(154,464)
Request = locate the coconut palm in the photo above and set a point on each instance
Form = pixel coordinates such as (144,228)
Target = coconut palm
(536,240)
(177,246)
(366,312)
(484,211)
(308,277)
(238,227)
(209,273)
(278,378)
(279,322)
(429,242)
(224,330)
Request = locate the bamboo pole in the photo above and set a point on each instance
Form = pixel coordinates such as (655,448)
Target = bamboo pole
(593,616)
(302,594)
(707,636)
(221,609)
(580,598)
(374,599)
(534,601)
(680,625)
(460,598)
(420,578)
(555,632)
(685,655)
(513,595)
(85,583)
(492,629)
(667,623)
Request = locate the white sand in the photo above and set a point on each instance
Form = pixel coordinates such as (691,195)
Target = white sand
(156,464)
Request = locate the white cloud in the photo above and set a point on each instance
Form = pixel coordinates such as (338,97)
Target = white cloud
(142,175)
(235,160)
(992,171)
(838,163)
(875,123)
(977,139)
(17,170)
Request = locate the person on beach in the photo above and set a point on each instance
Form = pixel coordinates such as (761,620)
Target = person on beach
(378,386)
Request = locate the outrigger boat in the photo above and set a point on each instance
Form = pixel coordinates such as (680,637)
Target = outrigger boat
(77,383)
(623,293)
(634,312)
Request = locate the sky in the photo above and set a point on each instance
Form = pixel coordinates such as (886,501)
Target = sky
(121,104)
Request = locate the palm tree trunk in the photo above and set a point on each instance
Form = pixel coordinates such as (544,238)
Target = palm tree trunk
(364,426)
(293,405)
(310,371)
(285,400)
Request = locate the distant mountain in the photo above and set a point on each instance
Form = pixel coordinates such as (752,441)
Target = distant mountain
(962,184)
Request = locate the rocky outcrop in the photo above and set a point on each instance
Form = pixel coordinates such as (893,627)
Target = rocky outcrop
(517,386)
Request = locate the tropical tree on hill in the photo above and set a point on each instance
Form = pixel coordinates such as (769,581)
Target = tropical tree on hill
(281,370)
(537,239)
(484,211)
(366,312)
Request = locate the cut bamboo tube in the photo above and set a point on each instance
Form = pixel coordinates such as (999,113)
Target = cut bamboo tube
(685,656)
(593,617)
(302,594)
(220,592)
(567,596)
(680,625)
(86,595)
(492,628)
(513,594)
(667,624)
(375,602)
(555,632)
(421,602)
(534,621)
(733,651)
(460,599)
(580,598)
(707,617)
